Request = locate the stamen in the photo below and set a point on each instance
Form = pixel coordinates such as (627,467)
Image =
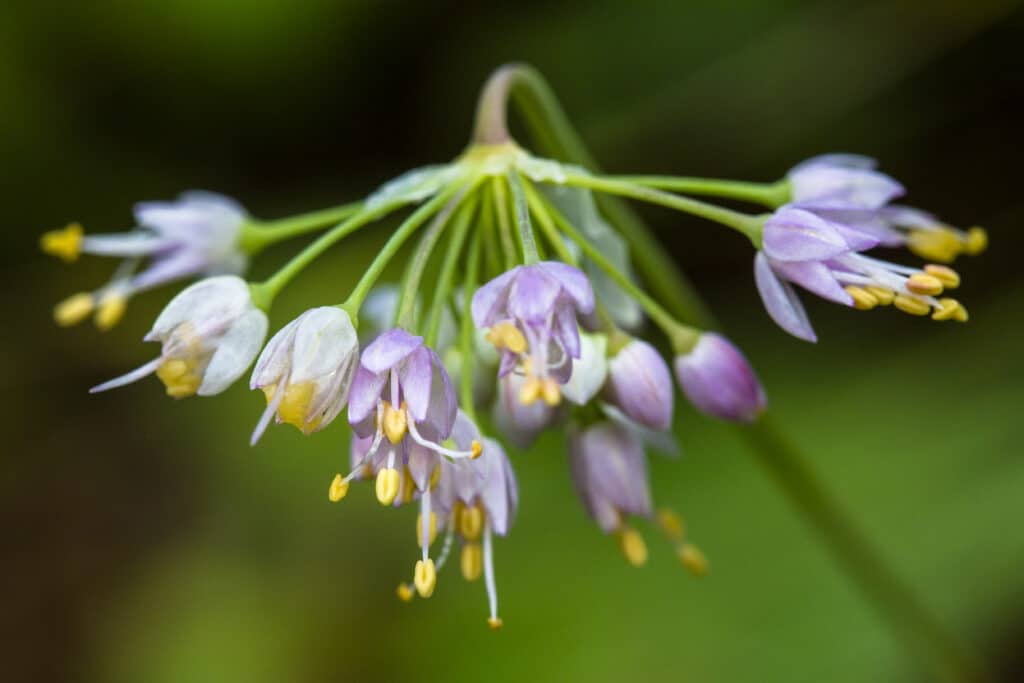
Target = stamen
(492,591)
(274,394)
(408,485)
(425,578)
(471,522)
(181,377)
(551,392)
(530,391)
(693,559)
(471,561)
(74,309)
(911,305)
(671,524)
(294,408)
(363,468)
(110,310)
(437,448)
(976,241)
(633,547)
(506,335)
(939,244)
(495,623)
(421,527)
(394,423)
(65,244)
(884,296)
(949,278)
(924,284)
(446,549)
(388,483)
(338,490)
(405,592)
(863,300)
(133,376)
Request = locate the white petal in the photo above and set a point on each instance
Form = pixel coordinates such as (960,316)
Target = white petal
(235,352)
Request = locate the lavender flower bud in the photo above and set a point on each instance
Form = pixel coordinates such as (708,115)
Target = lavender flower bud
(718,380)
(640,384)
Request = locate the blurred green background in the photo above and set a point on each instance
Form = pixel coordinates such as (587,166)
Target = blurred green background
(143,540)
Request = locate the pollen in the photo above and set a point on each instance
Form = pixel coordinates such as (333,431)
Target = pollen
(405,592)
(73,310)
(976,241)
(179,377)
(395,423)
(530,391)
(940,244)
(863,300)
(507,336)
(924,284)
(883,295)
(425,578)
(909,304)
(550,392)
(949,278)
(65,244)
(471,561)
(110,310)
(294,406)
(633,547)
(495,623)
(471,522)
(338,489)
(693,559)
(671,524)
(388,482)
(419,529)
(475,449)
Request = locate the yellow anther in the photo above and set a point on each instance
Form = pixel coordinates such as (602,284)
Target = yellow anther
(924,284)
(495,623)
(294,406)
(530,391)
(961,315)
(395,423)
(506,336)
(110,310)
(863,300)
(405,592)
(179,377)
(671,524)
(939,244)
(338,490)
(976,241)
(475,449)
(73,310)
(949,278)
(425,578)
(471,522)
(909,304)
(693,559)
(633,547)
(471,561)
(883,295)
(435,477)
(419,529)
(65,244)
(388,482)
(946,310)
(408,485)
(551,392)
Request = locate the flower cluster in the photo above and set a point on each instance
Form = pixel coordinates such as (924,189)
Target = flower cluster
(532,320)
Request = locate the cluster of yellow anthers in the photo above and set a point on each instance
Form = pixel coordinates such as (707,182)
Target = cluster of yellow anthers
(506,336)
(931,283)
(944,243)
(634,548)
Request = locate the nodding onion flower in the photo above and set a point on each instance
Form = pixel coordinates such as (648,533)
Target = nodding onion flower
(196,235)
(559,315)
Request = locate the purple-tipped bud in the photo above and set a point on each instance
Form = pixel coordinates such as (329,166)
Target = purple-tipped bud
(640,384)
(719,381)
(609,470)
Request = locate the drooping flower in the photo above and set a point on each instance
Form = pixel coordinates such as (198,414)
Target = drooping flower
(196,235)
(609,469)
(825,258)
(210,332)
(719,381)
(402,397)
(640,384)
(846,189)
(477,498)
(306,369)
(531,315)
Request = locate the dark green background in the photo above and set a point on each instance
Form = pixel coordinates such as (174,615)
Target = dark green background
(143,540)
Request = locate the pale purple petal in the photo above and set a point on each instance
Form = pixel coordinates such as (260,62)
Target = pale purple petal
(364,395)
(443,405)
(640,384)
(798,235)
(415,379)
(489,301)
(574,282)
(532,296)
(567,332)
(719,381)
(389,349)
(815,277)
(781,302)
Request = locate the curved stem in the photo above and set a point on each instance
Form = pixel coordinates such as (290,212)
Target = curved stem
(771,195)
(258,235)
(894,600)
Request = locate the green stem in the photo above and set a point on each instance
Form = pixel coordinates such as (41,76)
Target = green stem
(894,600)
(771,195)
(391,247)
(504,223)
(466,330)
(522,213)
(489,234)
(265,292)
(446,278)
(744,223)
(547,224)
(258,235)
(418,263)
